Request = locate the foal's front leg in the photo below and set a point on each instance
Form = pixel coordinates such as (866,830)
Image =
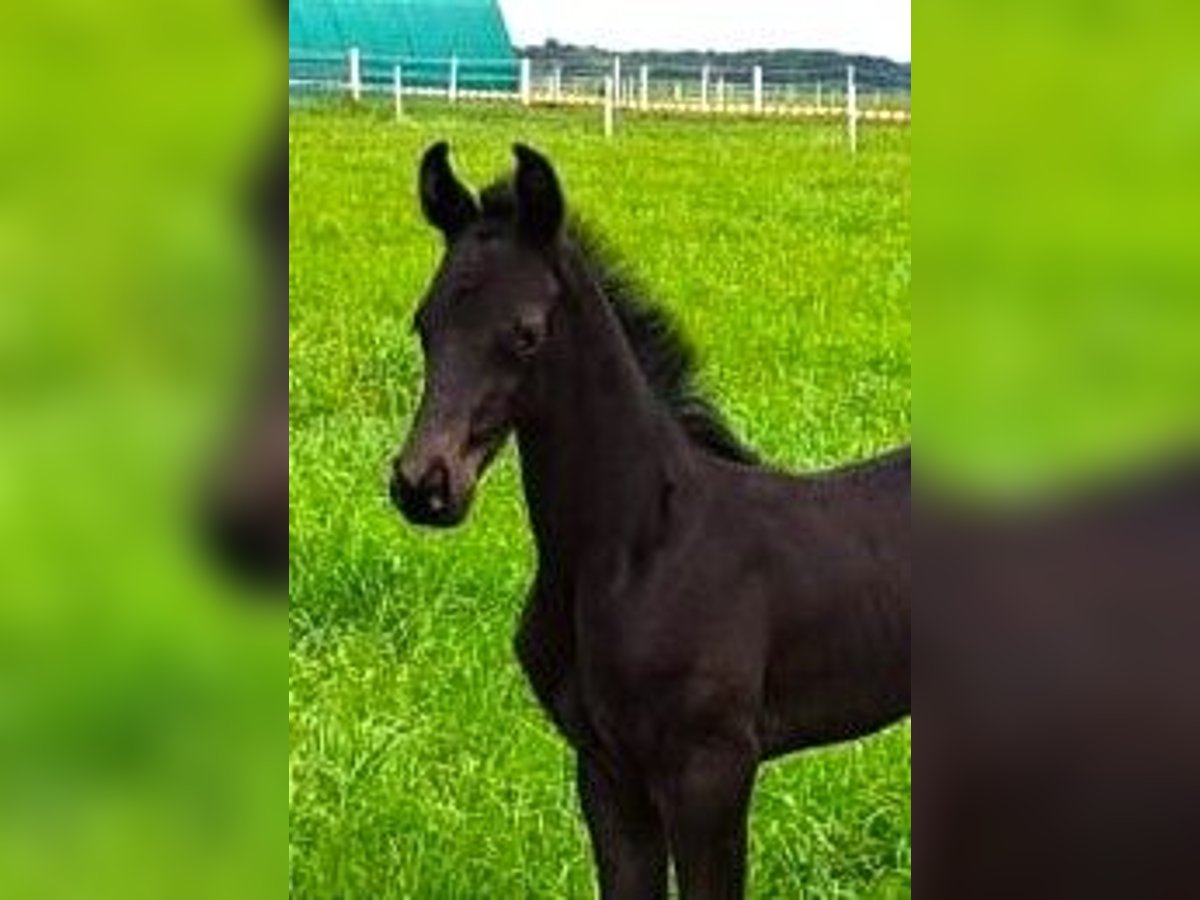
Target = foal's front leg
(704,796)
(627,837)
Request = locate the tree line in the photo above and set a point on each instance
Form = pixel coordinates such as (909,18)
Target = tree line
(871,72)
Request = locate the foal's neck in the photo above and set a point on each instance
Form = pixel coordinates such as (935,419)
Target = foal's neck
(601,455)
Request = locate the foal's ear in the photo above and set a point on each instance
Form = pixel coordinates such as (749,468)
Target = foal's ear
(448,206)
(540,205)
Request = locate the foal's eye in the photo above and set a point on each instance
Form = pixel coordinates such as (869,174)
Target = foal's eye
(525,339)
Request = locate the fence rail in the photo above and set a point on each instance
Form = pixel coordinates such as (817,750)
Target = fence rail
(615,88)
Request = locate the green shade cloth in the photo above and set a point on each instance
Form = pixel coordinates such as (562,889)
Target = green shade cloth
(422,35)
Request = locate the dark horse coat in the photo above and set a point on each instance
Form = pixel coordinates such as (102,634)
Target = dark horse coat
(694,612)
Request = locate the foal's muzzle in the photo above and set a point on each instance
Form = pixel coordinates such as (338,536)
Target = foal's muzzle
(427,497)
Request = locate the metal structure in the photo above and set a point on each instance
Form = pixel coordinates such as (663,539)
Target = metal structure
(430,36)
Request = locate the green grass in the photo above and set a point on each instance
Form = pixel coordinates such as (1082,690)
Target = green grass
(419,764)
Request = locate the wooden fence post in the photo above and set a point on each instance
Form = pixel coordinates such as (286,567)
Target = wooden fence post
(644,87)
(355,62)
(758,90)
(616,78)
(704,73)
(452,85)
(557,84)
(398,90)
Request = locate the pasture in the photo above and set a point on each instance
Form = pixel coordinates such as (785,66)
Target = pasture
(420,765)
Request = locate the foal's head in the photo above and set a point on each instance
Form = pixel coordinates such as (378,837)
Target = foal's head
(481,324)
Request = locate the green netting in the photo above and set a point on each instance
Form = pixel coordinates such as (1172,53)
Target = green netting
(422,34)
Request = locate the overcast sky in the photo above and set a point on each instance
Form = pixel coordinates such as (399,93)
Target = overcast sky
(878,27)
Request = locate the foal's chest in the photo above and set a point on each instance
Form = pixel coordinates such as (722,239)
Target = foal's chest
(575,667)
(545,647)
(562,672)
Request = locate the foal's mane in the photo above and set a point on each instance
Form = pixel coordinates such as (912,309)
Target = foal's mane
(666,358)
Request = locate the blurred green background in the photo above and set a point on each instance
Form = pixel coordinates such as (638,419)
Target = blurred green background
(1057,177)
(142,724)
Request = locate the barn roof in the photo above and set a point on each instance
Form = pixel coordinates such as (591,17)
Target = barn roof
(416,29)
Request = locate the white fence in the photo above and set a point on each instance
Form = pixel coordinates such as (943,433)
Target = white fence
(615,90)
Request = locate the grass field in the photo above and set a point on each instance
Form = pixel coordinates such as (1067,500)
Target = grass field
(419,764)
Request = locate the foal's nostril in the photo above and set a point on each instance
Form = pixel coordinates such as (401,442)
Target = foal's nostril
(436,486)
(424,496)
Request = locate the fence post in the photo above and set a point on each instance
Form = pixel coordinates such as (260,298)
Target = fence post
(852,109)
(355,74)
(704,72)
(558,84)
(720,92)
(818,95)
(608,106)
(398,90)
(616,77)
(644,87)
(526,79)
(758,90)
(452,85)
